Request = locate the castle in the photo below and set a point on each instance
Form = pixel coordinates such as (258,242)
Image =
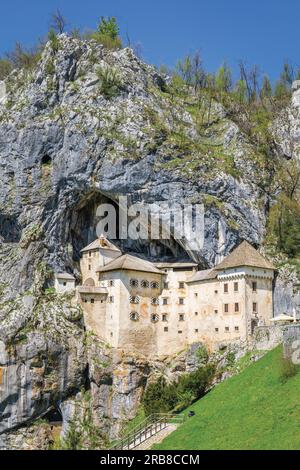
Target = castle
(161,308)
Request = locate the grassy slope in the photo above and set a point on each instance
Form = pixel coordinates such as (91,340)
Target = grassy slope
(253,410)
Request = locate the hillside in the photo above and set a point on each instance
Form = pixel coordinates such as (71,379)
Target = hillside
(254,410)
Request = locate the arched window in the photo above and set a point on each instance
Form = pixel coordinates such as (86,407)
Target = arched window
(144,284)
(134,299)
(154,285)
(134,316)
(154,301)
(154,317)
(134,283)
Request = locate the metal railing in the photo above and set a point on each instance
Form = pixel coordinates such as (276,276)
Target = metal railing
(146,429)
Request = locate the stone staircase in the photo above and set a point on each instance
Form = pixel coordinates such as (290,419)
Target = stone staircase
(151,431)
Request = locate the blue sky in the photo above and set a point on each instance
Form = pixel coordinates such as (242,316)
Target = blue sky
(265,32)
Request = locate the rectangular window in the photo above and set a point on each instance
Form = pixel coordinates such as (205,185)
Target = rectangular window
(216,311)
(166,285)
(216,291)
(92,301)
(254,286)
(181,285)
(254,307)
(165,301)
(90,267)
(196,330)
(164,317)
(227,329)
(216,330)
(111,299)
(181,301)
(236,328)
(226,308)
(181,317)
(236,307)
(166,328)
(196,313)
(179,332)
(196,294)
(225,288)
(90,253)
(111,283)
(64,284)
(236,287)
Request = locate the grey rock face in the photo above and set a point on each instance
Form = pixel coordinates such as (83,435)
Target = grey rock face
(87,126)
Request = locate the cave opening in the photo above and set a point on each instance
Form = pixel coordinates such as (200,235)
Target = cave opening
(46,160)
(83,231)
(10,229)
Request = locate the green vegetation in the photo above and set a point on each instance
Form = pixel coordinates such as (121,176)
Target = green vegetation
(161,397)
(109,81)
(82,432)
(257,409)
(108,33)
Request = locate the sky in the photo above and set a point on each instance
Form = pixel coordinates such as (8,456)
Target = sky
(262,32)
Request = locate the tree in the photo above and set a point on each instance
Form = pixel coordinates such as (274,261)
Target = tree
(107,33)
(266,89)
(240,91)
(58,22)
(223,79)
(109,27)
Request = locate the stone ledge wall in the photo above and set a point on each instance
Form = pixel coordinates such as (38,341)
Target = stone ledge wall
(268,337)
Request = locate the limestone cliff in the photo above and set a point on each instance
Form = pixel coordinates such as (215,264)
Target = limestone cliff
(85,126)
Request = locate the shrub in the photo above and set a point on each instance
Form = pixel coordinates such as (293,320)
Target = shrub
(5,68)
(107,33)
(162,398)
(110,82)
(54,41)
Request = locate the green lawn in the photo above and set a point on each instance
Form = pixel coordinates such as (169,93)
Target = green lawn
(253,410)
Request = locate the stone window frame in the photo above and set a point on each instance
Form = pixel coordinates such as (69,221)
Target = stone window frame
(154,301)
(134,316)
(134,283)
(154,285)
(134,299)
(154,317)
(145,284)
